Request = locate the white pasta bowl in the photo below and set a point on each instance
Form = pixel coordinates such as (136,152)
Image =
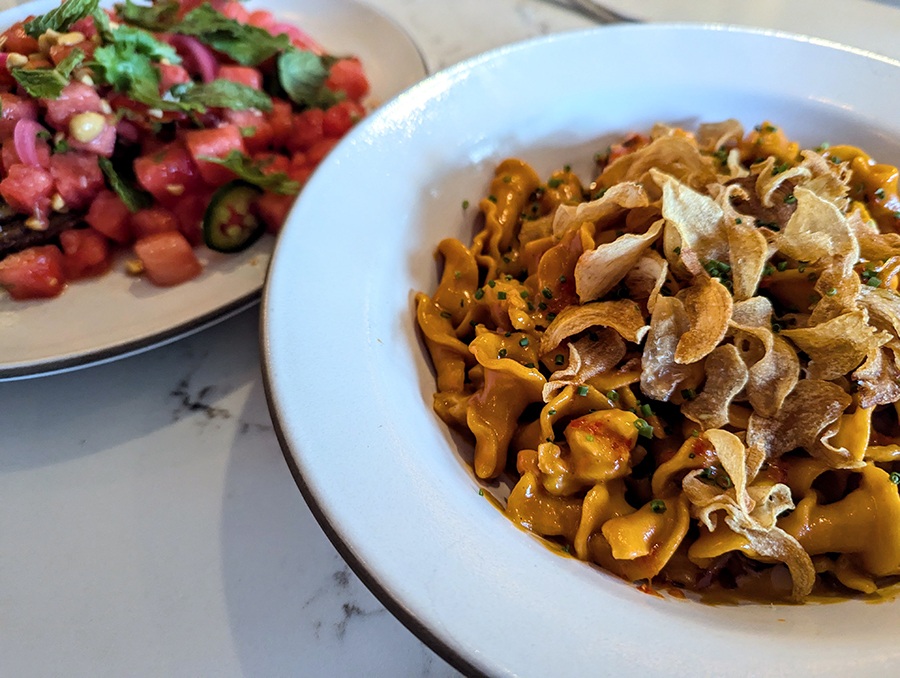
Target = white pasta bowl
(350,386)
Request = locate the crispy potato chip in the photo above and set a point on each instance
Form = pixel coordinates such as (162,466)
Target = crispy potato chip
(750,511)
(827,180)
(602,268)
(712,136)
(707,305)
(587,358)
(773,374)
(660,373)
(614,201)
(696,217)
(726,376)
(675,155)
(837,346)
(624,316)
(879,378)
(839,288)
(748,251)
(799,423)
(883,307)
(647,278)
(817,229)
(768,181)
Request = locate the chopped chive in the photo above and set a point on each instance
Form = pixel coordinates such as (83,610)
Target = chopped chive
(658,506)
(465,204)
(562,278)
(879,194)
(644,429)
(559,359)
(781,265)
(583,390)
(688,394)
(492,198)
(491,283)
(444,314)
(551,411)
(831,291)
(589,438)
(524,294)
(479,293)
(523,341)
(677,250)
(646,410)
(895,478)
(530,366)
(501,295)
(548,294)
(790,200)
(507,179)
(554,183)
(613,395)
(873,281)
(501,353)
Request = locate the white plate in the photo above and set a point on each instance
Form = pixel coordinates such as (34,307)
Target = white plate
(350,387)
(867,24)
(113,316)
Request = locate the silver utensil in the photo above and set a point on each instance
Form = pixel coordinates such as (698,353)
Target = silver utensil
(595,11)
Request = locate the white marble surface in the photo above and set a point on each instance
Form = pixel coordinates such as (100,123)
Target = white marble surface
(148,522)
(149,525)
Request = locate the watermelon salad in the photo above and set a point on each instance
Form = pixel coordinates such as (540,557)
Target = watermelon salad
(155,129)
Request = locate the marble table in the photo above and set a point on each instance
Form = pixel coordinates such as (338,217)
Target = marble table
(149,525)
(148,522)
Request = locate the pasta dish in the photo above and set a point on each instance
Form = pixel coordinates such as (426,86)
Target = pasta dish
(689,368)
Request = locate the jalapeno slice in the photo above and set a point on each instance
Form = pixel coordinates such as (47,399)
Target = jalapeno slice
(231,223)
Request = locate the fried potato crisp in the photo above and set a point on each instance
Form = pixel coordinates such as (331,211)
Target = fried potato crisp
(687,367)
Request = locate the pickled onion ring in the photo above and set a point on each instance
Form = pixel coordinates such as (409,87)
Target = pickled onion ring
(24,140)
(196,54)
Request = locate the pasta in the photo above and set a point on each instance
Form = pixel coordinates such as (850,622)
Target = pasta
(688,370)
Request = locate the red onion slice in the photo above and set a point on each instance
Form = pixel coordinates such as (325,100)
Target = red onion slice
(128,131)
(196,54)
(25,140)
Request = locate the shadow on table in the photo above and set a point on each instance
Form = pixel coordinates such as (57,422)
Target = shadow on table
(295,607)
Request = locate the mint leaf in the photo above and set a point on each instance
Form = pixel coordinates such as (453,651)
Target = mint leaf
(247,45)
(303,74)
(223,94)
(134,198)
(144,43)
(47,83)
(60,18)
(157,17)
(127,62)
(128,70)
(252,172)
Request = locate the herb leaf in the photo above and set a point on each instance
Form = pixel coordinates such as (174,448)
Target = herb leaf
(134,198)
(128,70)
(127,62)
(222,93)
(47,83)
(245,44)
(157,17)
(303,74)
(252,172)
(60,18)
